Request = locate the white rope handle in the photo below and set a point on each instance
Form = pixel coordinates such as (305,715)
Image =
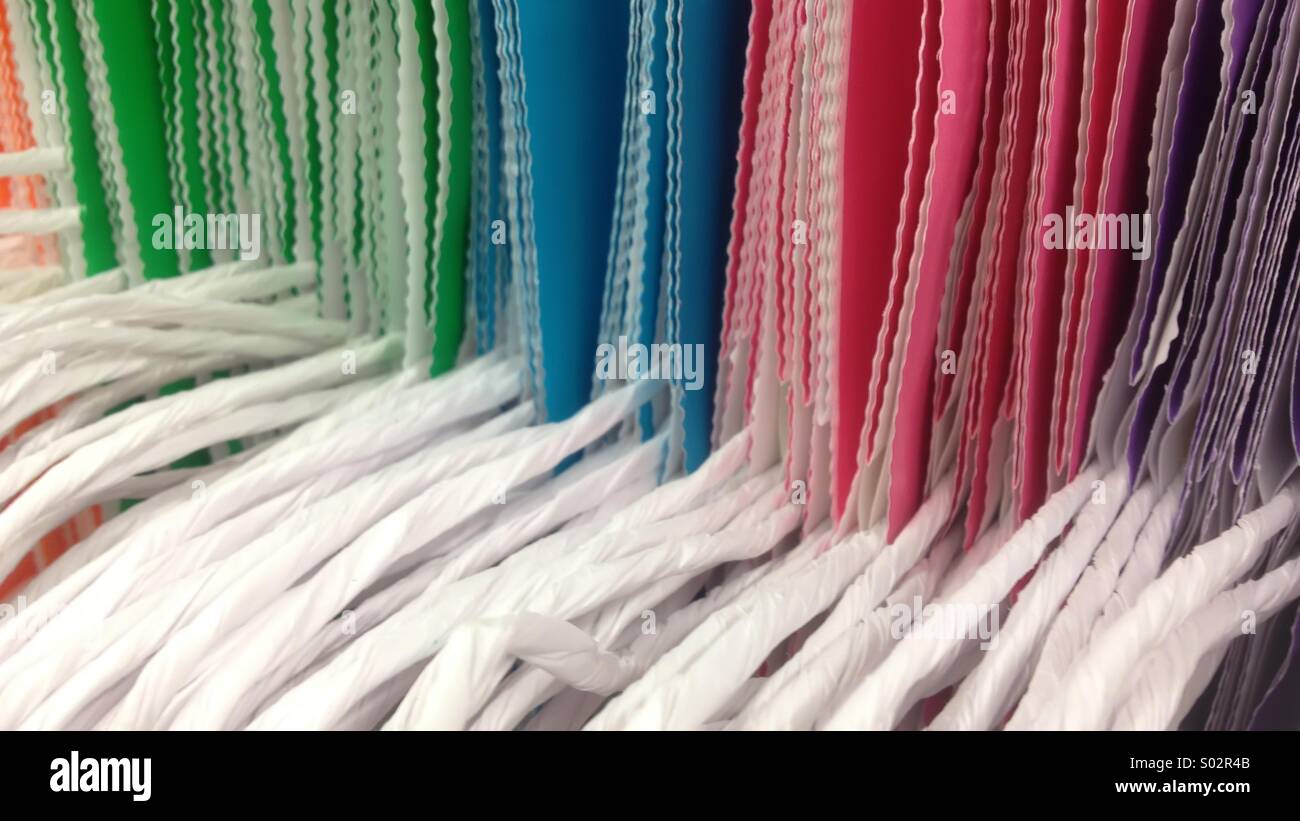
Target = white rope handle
(984,696)
(1093,684)
(1068,635)
(885,695)
(393,647)
(284,548)
(840,652)
(537,513)
(31,161)
(776,608)
(319,445)
(1175,675)
(39,220)
(16,276)
(592,585)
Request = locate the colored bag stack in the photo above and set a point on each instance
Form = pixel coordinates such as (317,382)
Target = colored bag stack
(649,364)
